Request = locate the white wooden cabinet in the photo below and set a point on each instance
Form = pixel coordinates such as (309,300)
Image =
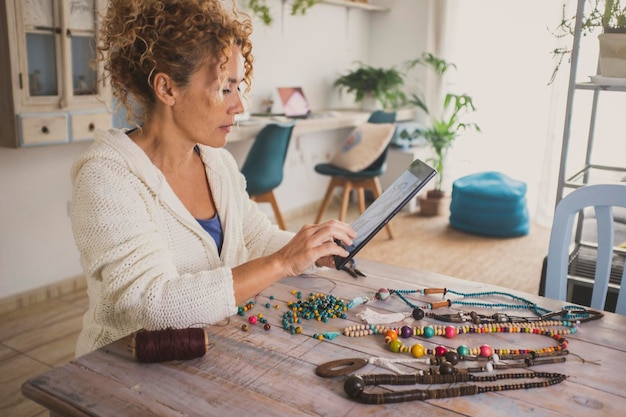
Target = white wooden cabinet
(50,92)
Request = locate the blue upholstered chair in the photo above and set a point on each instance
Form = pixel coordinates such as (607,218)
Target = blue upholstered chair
(603,198)
(263,166)
(366,179)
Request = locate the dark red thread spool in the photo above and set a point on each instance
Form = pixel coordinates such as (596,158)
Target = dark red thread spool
(169,344)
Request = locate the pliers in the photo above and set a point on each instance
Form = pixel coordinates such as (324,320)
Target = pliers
(351,269)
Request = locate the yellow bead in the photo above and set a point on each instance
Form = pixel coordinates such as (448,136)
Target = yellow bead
(417,350)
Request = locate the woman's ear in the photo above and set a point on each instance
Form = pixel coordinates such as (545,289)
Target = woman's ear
(163,89)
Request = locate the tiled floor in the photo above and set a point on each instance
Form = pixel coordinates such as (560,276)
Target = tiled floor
(42,336)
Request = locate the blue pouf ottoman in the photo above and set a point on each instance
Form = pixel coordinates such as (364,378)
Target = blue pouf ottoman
(489,204)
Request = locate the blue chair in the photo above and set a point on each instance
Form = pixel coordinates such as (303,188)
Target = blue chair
(603,198)
(360,181)
(263,166)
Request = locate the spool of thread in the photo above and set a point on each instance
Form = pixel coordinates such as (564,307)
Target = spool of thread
(169,344)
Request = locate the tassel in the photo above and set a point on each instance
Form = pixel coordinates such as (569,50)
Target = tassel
(357,301)
(389,364)
(372,317)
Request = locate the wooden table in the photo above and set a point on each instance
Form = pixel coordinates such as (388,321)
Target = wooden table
(272,372)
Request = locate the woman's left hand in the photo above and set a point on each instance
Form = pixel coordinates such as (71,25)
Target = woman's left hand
(315,244)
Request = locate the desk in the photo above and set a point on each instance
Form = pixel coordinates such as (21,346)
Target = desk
(341,119)
(272,373)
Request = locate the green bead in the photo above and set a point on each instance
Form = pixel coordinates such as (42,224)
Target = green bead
(429,332)
(395,345)
(463,350)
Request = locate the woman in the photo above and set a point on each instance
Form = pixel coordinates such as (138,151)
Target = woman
(167,234)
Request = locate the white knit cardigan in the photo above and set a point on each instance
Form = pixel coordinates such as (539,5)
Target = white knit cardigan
(148,263)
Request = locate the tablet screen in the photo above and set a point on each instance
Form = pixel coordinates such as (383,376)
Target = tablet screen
(385,207)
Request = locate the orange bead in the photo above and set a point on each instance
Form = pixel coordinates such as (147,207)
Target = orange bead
(391,334)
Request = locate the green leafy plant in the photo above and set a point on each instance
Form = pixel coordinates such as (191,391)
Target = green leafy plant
(385,85)
(447,123)
(607,15)
(260,9)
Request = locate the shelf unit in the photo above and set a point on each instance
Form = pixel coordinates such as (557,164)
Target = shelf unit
(356,5)
(582,264)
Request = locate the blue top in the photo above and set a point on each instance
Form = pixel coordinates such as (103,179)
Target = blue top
(213,228)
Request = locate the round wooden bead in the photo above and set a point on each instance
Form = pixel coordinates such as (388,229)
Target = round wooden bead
(446,368)
(390,335)
(440,350)
(486,351)
(406,332)
(395,345)
(382,294)
(452,357)
(429,332)
(267,326)
(418,313)
(463,350)
(417,350)
(252,319)
(450,332)
(354,386)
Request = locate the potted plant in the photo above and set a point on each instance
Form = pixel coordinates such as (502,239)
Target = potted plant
(384,86)
(444,125)
(610,17)
(260,9)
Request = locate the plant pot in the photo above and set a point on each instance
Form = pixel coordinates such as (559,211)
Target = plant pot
(370,103)
(613,55)
(431,204)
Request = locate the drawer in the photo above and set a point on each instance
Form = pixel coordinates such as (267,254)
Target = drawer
(43,129)
(83,125)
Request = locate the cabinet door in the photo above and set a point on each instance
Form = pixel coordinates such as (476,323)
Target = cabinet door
(39,60)
(57,47)
(81,26)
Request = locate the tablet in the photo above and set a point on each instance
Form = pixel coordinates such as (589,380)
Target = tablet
(385,207)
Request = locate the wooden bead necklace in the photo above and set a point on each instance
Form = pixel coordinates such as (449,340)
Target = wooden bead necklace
(463,352)
(354,386)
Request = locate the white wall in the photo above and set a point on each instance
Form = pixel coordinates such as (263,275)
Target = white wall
(502,50)
(36,244)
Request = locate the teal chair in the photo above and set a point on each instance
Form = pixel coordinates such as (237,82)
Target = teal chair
(263,166)
(360,181)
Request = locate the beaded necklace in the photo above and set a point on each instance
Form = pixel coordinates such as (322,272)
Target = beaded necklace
(519,303)
(354,386)
(463,352)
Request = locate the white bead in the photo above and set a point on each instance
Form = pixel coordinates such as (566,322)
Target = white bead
(489,367)
(495,358)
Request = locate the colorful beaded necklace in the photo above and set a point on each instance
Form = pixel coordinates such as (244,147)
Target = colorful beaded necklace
(463,352)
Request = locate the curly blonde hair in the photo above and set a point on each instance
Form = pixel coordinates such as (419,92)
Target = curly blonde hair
(139,38)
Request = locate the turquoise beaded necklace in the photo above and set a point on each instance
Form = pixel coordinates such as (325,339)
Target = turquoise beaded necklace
(568,312)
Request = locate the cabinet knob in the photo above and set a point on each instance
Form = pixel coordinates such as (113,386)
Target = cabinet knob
(91,127)
(45,130)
